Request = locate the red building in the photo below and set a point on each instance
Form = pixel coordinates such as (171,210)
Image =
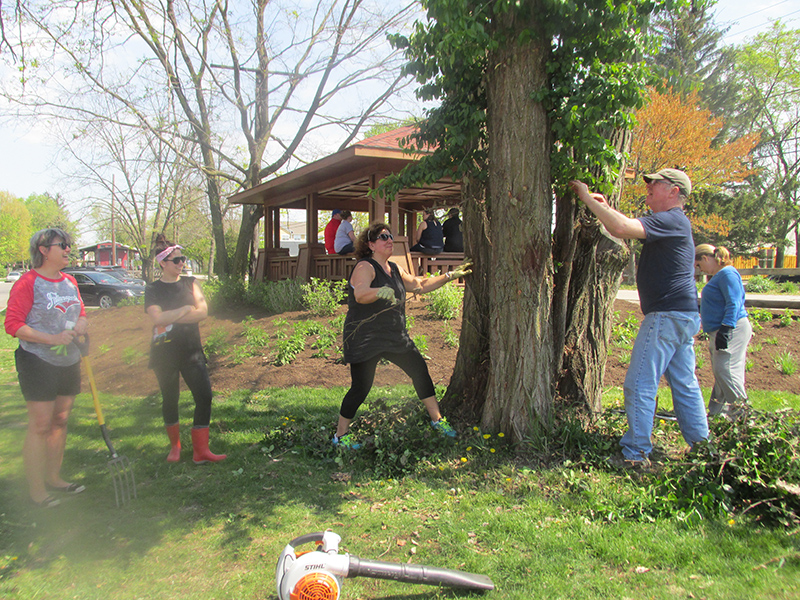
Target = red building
(100,255)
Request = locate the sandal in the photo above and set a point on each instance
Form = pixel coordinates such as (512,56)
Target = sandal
(48,502)
(72,488)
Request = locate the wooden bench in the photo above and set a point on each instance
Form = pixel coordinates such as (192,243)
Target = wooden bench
(282,267)
(431,264)
(333,267)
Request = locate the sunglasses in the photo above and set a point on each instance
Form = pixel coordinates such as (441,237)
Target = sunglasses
(63,245)
(384,237)
(177,260)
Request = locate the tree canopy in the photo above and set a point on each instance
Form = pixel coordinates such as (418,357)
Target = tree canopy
(768,68)
(673,130)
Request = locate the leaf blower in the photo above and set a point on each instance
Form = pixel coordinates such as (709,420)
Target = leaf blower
(318,574)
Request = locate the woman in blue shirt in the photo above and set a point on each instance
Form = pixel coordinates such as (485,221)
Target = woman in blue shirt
(725,321)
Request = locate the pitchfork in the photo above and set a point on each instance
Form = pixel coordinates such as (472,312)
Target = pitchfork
(118,466)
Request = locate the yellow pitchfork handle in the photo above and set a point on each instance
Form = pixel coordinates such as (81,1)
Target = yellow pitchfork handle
(84,348)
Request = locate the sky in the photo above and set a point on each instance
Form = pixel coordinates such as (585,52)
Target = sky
(27,157)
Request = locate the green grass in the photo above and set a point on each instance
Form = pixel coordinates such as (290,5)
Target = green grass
(215,531)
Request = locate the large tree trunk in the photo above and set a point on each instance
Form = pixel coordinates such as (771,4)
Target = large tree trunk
(520,389)
(595,278)
(590,264)
(466,394)
(246,240)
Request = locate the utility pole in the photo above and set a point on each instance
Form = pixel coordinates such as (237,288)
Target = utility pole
(113,232)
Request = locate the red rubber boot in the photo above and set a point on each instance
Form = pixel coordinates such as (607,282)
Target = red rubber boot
(174,435)
(200,447)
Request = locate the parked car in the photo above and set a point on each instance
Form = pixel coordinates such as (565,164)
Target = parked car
(117,272)
(13,276)
(103,289)
(122,274)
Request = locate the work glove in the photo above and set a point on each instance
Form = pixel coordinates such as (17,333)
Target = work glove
(387,293)
(61,349)
(465,268)
(724,334)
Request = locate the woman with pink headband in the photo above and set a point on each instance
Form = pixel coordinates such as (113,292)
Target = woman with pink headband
(176,305)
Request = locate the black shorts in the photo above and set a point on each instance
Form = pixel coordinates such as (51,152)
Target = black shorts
(40,381)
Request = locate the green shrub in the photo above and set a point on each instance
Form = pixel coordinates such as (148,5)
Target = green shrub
(276,296)
(699,357)
(450,336)
(216,343)
(789,287)
(338,322)
(760,315)
(445,302)
(624,332)
(288,348)
(760,284)
(421,342)
(224,292)
(322,297)
(271,296)
(787,318)
(256,336)
(624,357)
(786,363)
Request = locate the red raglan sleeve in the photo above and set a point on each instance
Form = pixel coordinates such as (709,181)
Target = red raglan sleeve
(20,301)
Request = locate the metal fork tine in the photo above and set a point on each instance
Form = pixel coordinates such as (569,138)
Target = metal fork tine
(123,479)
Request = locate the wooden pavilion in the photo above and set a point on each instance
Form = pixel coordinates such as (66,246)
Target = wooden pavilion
(343,180)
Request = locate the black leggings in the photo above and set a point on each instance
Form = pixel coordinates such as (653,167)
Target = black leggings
(195,374)
(363,374)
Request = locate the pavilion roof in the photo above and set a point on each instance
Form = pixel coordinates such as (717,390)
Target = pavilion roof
(344,179)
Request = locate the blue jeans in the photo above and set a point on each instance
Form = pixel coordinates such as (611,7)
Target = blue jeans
(664,346)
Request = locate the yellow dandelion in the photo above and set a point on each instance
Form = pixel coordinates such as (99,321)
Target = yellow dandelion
(491,450)
(463,459)
(476,429)
(731,522)
(501,434)
(486,436)
(469,448)
(508,478)
(662,421)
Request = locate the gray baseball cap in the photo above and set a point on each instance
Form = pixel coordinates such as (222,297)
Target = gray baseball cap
(675,177)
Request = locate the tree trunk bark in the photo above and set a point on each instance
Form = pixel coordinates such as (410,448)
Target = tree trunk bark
(244,243)
(466,394)
(520,388)
(590,263)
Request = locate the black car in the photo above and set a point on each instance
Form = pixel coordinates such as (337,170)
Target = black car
(121,274)
(104,290)
(117,272)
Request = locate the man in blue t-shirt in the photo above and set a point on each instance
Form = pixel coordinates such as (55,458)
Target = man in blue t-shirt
(668,296)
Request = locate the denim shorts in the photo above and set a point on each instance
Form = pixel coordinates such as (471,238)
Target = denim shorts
(40,381)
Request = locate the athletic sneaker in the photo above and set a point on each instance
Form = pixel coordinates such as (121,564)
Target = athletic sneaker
(346,441)
(443,427)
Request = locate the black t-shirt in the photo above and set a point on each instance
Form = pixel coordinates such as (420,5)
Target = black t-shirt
(178,343)
(453,239)
(374,328)
(432,236)
(665,277)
